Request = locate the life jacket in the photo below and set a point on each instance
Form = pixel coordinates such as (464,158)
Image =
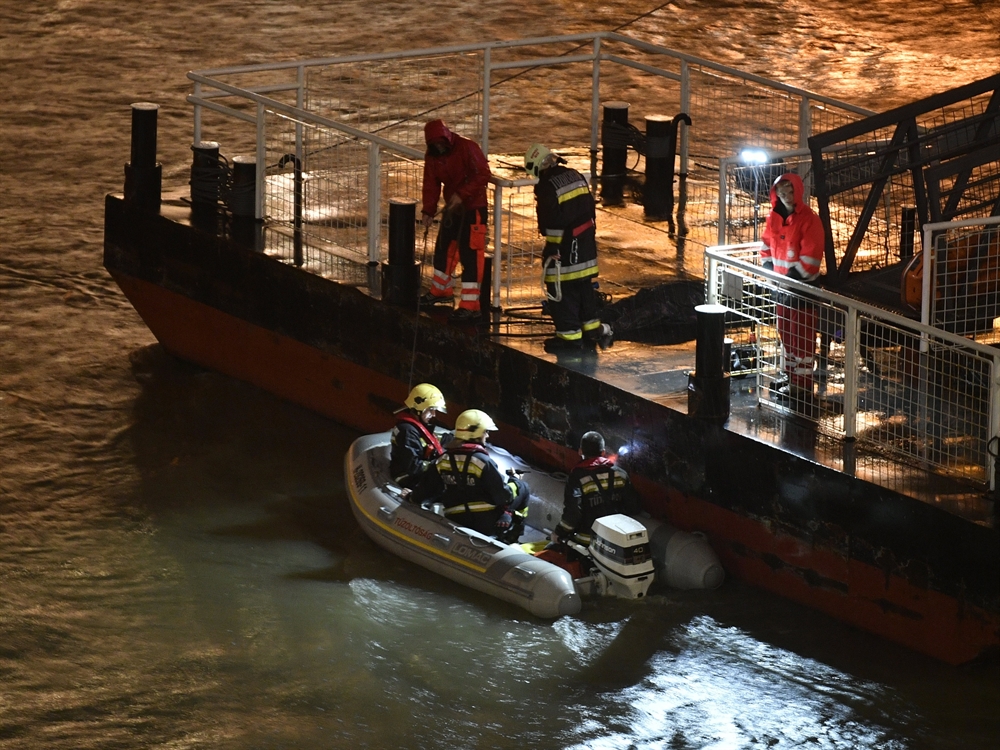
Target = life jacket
(461,470)
(601,483)
(599,489)
(432,446)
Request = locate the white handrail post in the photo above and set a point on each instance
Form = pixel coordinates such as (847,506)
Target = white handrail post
(487,77)
(595,106)
(929,264)
(259,198)
(374,200)
(686,109)
(712,281)
(300,96)
(723,213)
(497,243)
(805,122)
(197,113)
(852,357)
(991,461)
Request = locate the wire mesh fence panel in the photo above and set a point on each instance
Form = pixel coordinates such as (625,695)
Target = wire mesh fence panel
(965,287)
(400,180)
(317,185)
(394,98)
(931,406)
(730,113)
(909,390)
(793,341)
(522,249)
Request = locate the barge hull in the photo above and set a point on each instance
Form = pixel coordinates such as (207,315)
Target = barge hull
(864,554)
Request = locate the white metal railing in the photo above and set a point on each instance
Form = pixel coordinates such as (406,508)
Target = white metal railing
(910,389)
(321,111)
(961,291)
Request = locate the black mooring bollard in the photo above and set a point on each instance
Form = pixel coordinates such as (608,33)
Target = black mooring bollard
(143,176)
(205,175)
(661,153)
(401,275)
(241,200)
(657,193)
(708,385)
(242,195)
(614,142)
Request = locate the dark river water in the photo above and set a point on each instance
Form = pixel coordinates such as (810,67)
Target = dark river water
(178,564)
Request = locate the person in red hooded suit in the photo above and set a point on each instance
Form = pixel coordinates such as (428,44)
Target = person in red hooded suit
(458,166)
(793,242)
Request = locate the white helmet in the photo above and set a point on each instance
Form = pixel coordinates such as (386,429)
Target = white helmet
(426,396)
(535,158)
(472,424)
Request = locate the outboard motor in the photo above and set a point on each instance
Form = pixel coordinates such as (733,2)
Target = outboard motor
(620,549)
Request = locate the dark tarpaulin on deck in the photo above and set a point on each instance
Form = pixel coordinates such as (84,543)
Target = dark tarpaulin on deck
(662,314)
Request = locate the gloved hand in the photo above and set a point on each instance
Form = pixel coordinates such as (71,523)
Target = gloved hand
(768,265)
(505,520)
(793,273)
(426,220)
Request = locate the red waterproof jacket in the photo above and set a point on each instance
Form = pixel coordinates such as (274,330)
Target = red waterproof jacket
(793,241)
(463,170)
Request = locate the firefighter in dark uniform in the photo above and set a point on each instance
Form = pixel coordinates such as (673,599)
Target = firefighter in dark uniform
(595,488)
(567,219)
(469,483)
(415,447)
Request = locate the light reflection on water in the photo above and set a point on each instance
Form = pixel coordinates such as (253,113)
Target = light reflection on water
(725,689)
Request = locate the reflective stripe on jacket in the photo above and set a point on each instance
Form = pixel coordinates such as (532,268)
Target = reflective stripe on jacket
(793,241)
(471,480)
(567,219)
(595,488)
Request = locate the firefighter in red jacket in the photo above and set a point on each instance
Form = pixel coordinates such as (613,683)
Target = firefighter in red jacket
(459,166)
(468,482)
(793,243)
(567,219)
(595,488)
(415,447)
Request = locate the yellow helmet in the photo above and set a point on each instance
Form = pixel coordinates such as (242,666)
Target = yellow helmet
(473,424)
(426,396)
(535,157)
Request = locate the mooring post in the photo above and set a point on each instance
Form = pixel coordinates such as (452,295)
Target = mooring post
(242,202)
(658,191)
(708,385)
(614,142)
(401,275)
(143,175)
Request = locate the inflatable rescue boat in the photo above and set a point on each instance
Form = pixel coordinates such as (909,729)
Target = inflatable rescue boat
(624,559)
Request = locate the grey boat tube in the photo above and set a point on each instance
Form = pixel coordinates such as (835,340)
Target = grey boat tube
(455,552)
